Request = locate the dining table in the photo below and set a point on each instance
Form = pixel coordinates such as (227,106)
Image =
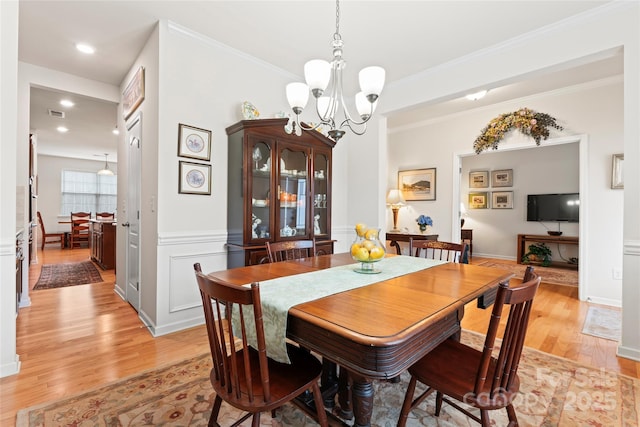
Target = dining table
(373,326)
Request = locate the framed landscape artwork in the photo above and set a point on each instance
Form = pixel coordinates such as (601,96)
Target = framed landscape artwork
(479,179)
(502,178)
(418,184)
(502,200)
(479,200)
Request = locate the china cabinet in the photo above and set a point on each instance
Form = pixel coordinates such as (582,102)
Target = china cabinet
(279,188)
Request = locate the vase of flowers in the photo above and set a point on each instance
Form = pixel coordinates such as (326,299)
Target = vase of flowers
(423,222)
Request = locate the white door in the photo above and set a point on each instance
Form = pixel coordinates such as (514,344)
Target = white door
(134,137)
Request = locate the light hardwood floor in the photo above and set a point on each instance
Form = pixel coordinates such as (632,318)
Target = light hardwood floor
(77,338)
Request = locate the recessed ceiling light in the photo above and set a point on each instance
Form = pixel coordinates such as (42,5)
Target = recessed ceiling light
(62,129)
(85,48)
(116,131)
(67,103)
(477,95)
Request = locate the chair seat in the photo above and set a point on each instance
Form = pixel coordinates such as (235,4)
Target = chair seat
(285,379)
(452,368)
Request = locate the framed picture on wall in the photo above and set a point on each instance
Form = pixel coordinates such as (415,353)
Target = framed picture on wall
(502,200)
(479,179)
(133,94)
(502,178)
(479,200)
(418,184)
(193,142)
(194,178)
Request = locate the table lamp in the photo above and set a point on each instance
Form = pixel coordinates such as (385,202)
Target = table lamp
(396,201)
(463,214)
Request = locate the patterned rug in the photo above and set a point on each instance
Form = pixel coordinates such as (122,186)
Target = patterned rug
(556,276)
(603,322)
(554,392)
(68,274)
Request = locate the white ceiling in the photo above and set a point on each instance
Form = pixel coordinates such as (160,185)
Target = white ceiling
(405,37)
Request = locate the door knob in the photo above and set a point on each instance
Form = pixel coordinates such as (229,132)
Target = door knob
(126,224)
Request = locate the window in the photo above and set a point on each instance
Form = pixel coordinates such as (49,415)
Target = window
(88,192)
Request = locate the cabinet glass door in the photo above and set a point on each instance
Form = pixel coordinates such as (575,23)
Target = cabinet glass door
(260,186)
(320,188)
(292,194)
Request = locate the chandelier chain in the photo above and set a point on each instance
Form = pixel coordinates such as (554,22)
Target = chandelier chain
(337,36)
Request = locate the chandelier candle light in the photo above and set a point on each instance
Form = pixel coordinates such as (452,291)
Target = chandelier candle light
(396,201)
(319,74)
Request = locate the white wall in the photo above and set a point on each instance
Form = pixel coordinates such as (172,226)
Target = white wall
(540,170)
(595,110)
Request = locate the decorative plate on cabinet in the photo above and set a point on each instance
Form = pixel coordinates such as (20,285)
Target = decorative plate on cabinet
(249,112)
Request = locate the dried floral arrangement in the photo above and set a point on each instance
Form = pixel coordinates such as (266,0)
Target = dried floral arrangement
(529,122)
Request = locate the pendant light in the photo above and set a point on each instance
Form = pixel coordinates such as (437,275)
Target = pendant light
(106,170)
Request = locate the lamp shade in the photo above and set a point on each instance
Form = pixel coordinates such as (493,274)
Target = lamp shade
(317,73)
(372,80)
(297,95)
(394,198)
(364,107)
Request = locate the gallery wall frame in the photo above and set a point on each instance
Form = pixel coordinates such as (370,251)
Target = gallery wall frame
(418,184)
(502,200)
(194,178)
(478,179)
(479,200)
(617,175)
(133,94)
(194,142)
(502,178)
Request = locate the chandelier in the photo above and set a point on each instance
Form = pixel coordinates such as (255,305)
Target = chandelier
(320,74)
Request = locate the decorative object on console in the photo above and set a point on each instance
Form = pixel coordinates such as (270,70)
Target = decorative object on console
(319,74)
(529,122)
(617,175)
(193,142)
(396,201)
(418,184)
(538,252)
(424,222)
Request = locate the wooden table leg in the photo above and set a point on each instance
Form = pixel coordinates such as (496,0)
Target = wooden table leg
(362,393)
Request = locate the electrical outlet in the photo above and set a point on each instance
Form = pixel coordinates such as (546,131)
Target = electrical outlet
(617,274)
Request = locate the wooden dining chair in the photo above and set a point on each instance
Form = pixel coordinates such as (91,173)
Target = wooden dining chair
(49,237)
(472,376)
(105,216)
(244,376)
(79,228)
(292,249)
(435,249)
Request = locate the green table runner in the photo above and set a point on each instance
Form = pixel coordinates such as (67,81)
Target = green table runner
(279,295)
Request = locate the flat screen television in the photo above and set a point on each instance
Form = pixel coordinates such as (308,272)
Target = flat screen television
(553,207)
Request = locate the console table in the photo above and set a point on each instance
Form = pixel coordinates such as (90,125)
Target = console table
(394,238)
(562,240)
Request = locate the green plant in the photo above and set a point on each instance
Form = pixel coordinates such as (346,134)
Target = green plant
(539,252)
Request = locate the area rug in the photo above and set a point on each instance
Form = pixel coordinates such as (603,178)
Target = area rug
(554,392)
(603,322)
(556,276)
(68,274)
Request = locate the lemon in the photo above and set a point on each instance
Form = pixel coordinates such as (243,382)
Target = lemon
(376,253)
(362,254)
(368,244)
(371,234)
(361,229)
(354,249)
